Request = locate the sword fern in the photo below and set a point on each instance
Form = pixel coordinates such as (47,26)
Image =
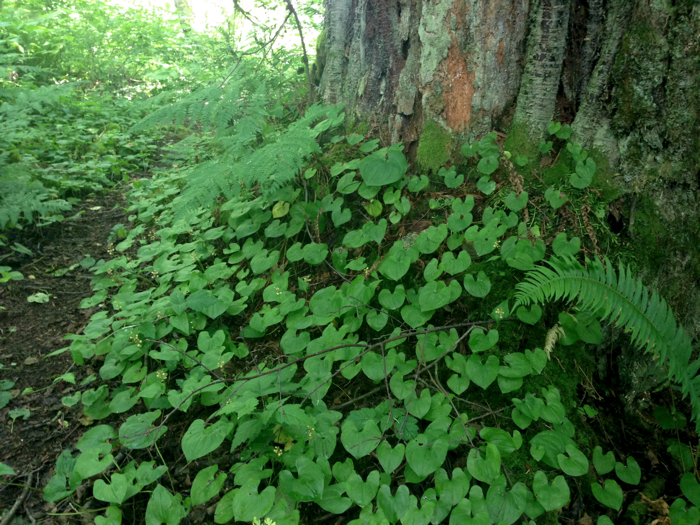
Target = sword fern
(623,301)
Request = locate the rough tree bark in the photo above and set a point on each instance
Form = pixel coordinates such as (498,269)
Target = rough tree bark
(624,73)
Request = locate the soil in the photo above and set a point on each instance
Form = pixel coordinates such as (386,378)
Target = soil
(30,331)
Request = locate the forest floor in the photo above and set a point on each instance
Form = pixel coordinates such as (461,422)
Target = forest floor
(30,331)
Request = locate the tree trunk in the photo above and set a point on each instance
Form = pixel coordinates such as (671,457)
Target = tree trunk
(185,14)
(625,73)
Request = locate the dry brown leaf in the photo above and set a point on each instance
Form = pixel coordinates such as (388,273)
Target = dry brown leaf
(658,506)
(652,457)
(585,520)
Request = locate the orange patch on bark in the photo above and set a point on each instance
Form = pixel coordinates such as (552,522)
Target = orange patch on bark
(459,90)
(499,52)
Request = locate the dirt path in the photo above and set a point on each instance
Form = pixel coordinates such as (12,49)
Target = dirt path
(31,331)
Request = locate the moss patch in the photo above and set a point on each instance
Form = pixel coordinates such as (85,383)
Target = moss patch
(434,148)
(558,174)
(518,143)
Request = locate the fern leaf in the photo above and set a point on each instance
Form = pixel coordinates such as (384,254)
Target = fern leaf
(625,302)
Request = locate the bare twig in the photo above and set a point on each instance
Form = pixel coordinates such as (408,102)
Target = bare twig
(8,518)
(355,400)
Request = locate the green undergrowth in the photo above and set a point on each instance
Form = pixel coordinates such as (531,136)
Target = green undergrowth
(307,336)
(60,143)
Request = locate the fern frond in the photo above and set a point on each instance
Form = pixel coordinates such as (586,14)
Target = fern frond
(22,196)
(625,302)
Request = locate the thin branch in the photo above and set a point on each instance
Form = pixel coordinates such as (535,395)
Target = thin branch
(8,518)
(291,9)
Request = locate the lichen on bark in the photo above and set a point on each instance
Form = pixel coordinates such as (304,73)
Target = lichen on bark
(435,40)
(549,21)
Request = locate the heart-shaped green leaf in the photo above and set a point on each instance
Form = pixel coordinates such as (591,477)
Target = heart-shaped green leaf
(315,253)
(563,248)
(487,165)
(425,457)
(537,452)
(553,127)
(199,441)
(207,484)
(530,316)
(453,265)
(433,295)
(555,197)
(307,486)
(118,491)
(668,420)
(414,316)
(480,342)
(580,181)
(377,320)
(483,374)
(515,203)
(360,443)
(431,271)
(400,388)
(452,180)
(486,185)
(485,469)
(460,381)
(479,287)
(390,458)
(451,491)
(416,183)
(575,464)
(690,488)
(395,266)
(603,463)
(586,168)
(374,365)
(362,492)
(340,217)
(420,406)
(380,169)
(394,507)
(609,495)
(163,507)
(631,473)
(292,343)
(376,232)
(247,503)
(374,207)
(333,500)
(551,497)
(392,301)
(422,515)
(537,359)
